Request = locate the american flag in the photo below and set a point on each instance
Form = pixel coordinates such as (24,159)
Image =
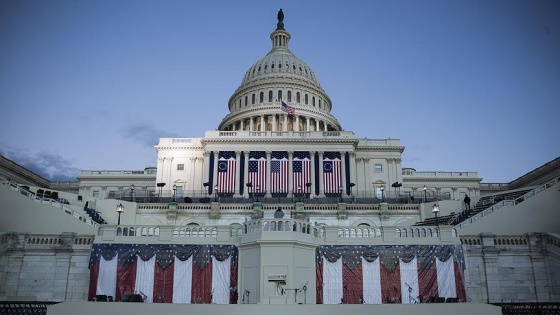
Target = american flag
(257,171)
(279,172)
(288,109)
(302,171)
(332,175)
(226,172)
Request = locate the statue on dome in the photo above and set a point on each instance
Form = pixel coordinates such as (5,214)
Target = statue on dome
(280,24)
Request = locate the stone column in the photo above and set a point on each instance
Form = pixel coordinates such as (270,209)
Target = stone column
(313,170)
(268,156)
(237,171)
(353,179)
(343,171)
(290,172)
(246,171)
(215,174)
(321,185)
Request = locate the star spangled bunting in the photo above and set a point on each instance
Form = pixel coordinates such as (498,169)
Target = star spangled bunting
(288,109)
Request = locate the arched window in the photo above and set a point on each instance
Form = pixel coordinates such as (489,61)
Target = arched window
(306,99)
(319,103)
(313,101)
(270,96)
(279,95)
(298,97)
(289,96)
(261,97)
(246,100)
(253,99)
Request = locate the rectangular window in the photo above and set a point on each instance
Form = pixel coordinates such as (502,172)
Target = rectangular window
(96,193)
(462,194)
(446,195)
(180,167)
(378,168)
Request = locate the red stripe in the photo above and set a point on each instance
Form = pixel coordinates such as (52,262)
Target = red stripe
(201,284)
(427,282)
(352,284)
(93,276)
(126,280)
(390,285)
(163,284)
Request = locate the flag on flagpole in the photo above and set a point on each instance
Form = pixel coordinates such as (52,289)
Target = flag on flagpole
(288,109)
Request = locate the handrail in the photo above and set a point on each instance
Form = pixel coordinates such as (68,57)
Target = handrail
(31,195)
(508,203)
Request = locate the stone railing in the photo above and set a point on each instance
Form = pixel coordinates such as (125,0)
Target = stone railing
(260,227)
(509,203)
(284,134)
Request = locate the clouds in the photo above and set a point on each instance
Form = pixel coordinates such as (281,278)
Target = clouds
(48,165)
(145,133)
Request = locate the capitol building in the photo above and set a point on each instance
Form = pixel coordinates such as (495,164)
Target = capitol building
(280,209)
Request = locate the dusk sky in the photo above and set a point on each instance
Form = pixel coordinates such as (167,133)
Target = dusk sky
(465,85)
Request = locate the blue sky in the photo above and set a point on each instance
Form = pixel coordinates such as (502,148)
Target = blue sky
(466,85)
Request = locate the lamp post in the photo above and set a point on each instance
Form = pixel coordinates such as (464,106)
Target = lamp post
(120,209)
(340,192)
(308,190)
(174,191)
(215,193)
(132,193)
(258,189)
(299,193)
(425,189)
(382,193)
(435,211)
(160,185)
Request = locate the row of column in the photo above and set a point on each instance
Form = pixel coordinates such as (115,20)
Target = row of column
(290,171)
(284,119)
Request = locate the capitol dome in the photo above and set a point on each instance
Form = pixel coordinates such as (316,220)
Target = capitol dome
(280,77)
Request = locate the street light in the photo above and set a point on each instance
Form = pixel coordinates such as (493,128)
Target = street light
(258,189)
(132,193)
(425,189)
(174,190)
(382,193)
(308,190)
(340,192)
(215,193)
(435,210)
(160,185)
(299,193)
(120,209)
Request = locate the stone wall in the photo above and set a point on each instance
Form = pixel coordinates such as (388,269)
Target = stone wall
(45,268)
(522,268)
(512,268)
